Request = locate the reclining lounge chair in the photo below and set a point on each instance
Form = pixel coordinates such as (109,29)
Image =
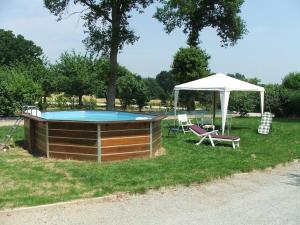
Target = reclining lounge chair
(213,136)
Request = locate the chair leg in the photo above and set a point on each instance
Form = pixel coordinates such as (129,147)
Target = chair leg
(211,141)
(233,145)
(202,139)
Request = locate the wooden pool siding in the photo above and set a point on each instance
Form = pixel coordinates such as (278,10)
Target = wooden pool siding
(89,141)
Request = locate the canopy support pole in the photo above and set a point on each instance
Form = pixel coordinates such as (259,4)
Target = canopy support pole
(262,96)
(214,106)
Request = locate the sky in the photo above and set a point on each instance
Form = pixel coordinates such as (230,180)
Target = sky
(269,51)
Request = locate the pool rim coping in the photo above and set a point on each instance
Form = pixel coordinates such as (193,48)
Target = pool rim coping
(40,119)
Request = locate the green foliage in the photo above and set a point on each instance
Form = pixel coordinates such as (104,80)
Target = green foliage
(189,64)
(101,69)
(75,75)
(61,101)
(16,49)
(167,82)
(275,99)
(141,93)
(155,90)
(292,81)
(17,89)
(243,102)
(195,15)
(132,89)
(292,106)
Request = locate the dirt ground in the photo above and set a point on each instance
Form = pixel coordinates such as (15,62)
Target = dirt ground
(260,197)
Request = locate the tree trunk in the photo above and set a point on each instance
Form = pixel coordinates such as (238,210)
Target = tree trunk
(80,100)
(190,104)
(45,99)
(114,48)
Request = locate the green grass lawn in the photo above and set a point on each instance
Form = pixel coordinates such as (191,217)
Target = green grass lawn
(26,180)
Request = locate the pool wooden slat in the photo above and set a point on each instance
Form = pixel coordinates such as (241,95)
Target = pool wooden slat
(66,141)
(124,149)
(73,126)
(73,149)
(72,156)
(125,141)
(72,134)
(145,154)
(125,133)
(124,126)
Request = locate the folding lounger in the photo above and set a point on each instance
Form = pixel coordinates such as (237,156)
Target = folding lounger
(265,123)
(214,136)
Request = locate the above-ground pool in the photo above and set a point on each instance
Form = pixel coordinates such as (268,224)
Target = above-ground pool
(93,135)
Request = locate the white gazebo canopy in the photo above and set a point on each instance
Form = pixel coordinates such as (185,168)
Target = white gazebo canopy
(222,83)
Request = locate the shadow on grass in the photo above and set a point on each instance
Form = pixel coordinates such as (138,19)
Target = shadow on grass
(207,143)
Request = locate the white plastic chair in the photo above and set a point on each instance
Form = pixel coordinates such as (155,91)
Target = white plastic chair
(184,122)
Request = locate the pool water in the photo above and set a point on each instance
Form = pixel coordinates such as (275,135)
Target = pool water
(94,116)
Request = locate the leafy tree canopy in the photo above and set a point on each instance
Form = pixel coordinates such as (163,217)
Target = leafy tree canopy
(190,64)
(107,26)
(16,49)
(132,89)
(292,81)
(166,81)
(17,89)
(195,15)
(75,74)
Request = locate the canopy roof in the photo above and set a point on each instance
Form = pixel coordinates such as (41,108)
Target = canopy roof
(218,82)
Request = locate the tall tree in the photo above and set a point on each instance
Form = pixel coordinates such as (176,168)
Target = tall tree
(75,75)
(195,15)
(107,25)
(16,49)
(190,64)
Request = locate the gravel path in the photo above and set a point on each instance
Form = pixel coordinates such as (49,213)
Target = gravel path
(268,197)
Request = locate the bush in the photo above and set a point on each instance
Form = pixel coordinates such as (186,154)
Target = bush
(275,99)
(17,89)
(292,105)
(243,102)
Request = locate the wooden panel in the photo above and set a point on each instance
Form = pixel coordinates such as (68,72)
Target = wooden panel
(40,147)
(40,125)
(123,149)
(65,141)
(73,134)
(156,124)
(156,135)
(156,143)
(125,141)
(73,149)
(73,156)
(125,133)
(125,126)
(156,129)
(125,156)
(73,126)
